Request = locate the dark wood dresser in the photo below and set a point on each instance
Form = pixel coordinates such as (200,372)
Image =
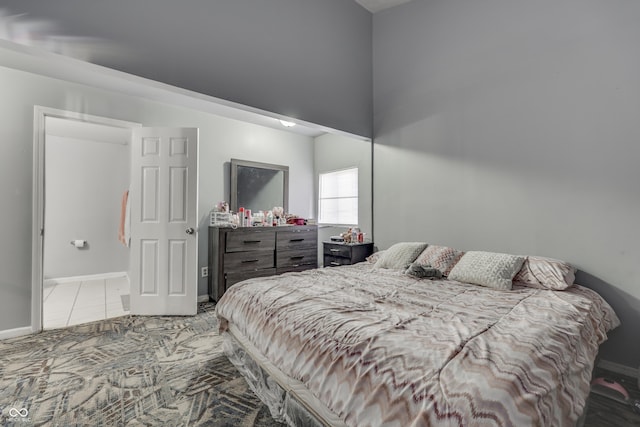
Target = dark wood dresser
(245,252)
(336,254)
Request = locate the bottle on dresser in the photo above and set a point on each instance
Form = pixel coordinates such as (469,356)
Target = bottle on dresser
(241,216)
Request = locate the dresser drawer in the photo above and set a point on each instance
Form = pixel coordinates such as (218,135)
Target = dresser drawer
(250,260)
(296,258)
(296,239)
(237,254)
(295,269)
(337,250)
(235,277)
(238,241)
(332,261)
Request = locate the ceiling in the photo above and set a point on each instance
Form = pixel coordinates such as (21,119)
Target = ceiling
(24,29)
(374,6)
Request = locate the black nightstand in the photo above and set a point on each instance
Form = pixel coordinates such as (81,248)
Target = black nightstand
(336,254)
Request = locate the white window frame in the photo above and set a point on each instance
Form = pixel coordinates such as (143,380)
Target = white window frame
(356,197)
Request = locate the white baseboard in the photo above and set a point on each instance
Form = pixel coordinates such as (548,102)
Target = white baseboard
(57,281)
(17,332)
(629,371)
(27,330)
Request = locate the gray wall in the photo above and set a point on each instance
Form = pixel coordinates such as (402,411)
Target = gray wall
(85,180)
(306,59)
(220,140)
(335,152)
(512,126)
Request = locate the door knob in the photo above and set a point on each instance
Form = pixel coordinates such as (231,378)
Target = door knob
(190,230)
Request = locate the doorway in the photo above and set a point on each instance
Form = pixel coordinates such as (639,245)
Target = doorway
(162,208)
(81,170)
(87,168)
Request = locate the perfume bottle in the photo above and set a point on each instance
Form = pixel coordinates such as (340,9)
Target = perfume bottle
(241,216)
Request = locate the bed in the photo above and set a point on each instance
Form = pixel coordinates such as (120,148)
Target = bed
(371,345)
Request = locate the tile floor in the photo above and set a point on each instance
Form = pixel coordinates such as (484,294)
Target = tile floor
(72,303)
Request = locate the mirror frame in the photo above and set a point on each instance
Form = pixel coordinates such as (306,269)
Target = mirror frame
(233,195)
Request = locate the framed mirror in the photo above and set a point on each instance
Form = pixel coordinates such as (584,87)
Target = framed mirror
(258,186)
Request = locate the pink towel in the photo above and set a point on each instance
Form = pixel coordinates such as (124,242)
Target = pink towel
(123,219)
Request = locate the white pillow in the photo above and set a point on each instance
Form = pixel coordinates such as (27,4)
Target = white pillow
(400,255)
(490,269)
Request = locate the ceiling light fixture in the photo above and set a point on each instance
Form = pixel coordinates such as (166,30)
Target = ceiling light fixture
(286,123)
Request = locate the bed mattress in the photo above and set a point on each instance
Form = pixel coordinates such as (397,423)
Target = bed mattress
(378,347)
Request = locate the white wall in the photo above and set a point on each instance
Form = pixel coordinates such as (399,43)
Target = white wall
(220,140)
(85,180)
(512,126)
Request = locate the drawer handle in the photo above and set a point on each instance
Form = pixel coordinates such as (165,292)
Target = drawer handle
(296,240)
(297,257)
(252,241)
(249,260)
(335,263)
(334,250)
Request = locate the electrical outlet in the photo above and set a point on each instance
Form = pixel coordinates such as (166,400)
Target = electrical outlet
(205,271)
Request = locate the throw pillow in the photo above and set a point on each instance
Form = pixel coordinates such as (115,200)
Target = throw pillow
(546,273)
(400,255)
(441,257)
(374,257)
(490,269)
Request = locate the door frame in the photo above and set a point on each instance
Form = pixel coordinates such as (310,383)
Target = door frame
(40,113)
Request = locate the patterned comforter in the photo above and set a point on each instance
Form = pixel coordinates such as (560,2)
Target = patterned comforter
(378,347)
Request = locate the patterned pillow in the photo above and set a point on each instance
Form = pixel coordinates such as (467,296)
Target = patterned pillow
(546,273)
(441,257)
(400,255)
(490,269)
(374,257)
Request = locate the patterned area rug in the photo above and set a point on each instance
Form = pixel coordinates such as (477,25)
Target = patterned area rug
(126,371)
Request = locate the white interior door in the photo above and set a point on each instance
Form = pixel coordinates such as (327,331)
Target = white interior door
(163,203)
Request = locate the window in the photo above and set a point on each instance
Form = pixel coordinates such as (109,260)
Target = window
(338,200)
